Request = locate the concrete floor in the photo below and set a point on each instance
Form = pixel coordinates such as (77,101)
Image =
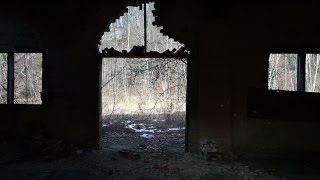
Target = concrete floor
(127,155)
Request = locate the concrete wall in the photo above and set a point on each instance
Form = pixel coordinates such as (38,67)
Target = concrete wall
(257,31)
(232,42)
(229,43)
(237,60)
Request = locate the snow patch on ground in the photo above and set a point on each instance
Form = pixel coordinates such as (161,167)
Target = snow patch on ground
(140,128)
(145,129)
(156,120)
(176,129)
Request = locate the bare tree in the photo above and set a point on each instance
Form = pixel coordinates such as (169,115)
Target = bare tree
(312,68)
(141,85)
(283,72)
(28,78)
(3,78)
(145,86)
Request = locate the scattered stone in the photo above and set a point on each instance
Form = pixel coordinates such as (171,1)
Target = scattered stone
(129,155)
(147,136)
(160,166)
(142,146)
(146,161)
(79,152)
(209,150)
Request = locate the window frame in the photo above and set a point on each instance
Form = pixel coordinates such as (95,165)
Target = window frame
(11,77)
(301,72)
(301,68)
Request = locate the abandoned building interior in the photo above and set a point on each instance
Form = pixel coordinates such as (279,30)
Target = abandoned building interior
(156,89)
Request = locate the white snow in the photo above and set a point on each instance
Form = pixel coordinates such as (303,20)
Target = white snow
(175,129)
(141,129)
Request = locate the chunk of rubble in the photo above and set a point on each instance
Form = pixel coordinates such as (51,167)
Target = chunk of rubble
(129,155)
(209,150)
(148,136)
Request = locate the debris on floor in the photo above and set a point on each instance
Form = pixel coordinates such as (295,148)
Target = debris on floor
(132,164)
(127,155)
(210,150)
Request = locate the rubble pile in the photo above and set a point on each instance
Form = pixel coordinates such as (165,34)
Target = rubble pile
(209,150)
(51,149)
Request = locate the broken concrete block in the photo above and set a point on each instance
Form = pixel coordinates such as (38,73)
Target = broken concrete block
(209,150)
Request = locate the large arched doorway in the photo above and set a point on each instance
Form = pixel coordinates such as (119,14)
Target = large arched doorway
(144,84)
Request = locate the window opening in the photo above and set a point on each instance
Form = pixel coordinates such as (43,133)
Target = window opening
(294,72)
(3,78)
(125,32)
(20,78)
(283,72)
(27,78)
(312,73)
(144,83)
(134,33)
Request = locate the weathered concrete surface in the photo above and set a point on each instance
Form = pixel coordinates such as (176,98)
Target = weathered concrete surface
(229,43)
